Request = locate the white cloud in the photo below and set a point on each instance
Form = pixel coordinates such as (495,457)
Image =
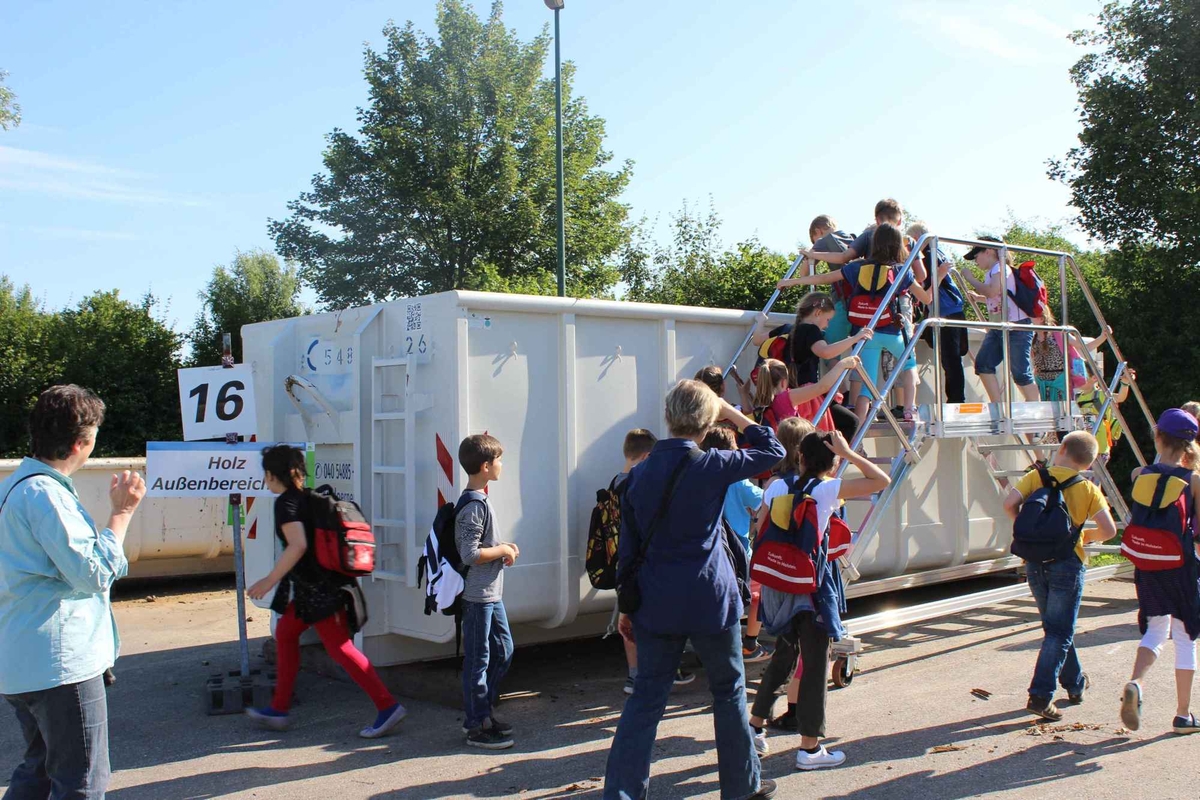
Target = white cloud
(1028,18)
(1015,32)
(45,173)
(82,234)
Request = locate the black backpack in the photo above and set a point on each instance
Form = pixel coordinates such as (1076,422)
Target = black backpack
(604,531)
(441,545)
(735,551)
(1043,530)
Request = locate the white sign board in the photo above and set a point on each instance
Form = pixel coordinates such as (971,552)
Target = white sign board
(216,401)
(206,469)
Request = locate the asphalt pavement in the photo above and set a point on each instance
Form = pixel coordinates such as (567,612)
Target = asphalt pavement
(909,722)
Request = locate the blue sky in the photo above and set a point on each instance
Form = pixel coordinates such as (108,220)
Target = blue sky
(159,137)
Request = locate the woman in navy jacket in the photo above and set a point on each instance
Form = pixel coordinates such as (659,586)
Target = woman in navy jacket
(688,590)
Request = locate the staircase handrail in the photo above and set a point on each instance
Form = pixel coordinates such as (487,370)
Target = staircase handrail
(766,310)
(883,305)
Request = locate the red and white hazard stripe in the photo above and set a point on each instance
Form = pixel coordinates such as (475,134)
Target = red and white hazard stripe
(445,473)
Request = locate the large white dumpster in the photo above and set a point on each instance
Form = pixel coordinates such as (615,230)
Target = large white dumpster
(387,392)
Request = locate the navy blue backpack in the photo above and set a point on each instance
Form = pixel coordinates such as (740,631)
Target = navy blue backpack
(1043,530)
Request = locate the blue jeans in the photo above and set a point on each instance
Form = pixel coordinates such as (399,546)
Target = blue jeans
(1058,589)
(66,743)
(991,354)
(487,654)
(627,776)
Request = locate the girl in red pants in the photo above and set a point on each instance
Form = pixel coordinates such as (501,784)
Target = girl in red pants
(309,595)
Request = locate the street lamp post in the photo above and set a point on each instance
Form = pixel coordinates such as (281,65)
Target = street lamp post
(557,6)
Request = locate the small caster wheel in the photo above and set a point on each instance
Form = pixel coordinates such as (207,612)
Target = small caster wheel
(842,672)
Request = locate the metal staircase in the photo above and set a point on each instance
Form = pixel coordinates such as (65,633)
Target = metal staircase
(997,432)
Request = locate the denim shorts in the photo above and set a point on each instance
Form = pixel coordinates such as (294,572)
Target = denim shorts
(991,354)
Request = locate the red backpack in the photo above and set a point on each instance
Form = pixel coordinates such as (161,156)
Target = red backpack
(867,293)
(1030,295)
(1159,535)
(776,347)
(790,549)
(342,539)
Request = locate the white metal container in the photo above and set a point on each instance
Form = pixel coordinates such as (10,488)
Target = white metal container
(387,392)
(167,537)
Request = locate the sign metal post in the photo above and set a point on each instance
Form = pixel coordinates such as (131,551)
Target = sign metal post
(235,506)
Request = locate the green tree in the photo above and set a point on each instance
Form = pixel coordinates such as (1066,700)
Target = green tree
(255,287)
(450,182)
(25,365)
(1135,176)
(128,356)
(694,271)
(10,111)
(1135,180)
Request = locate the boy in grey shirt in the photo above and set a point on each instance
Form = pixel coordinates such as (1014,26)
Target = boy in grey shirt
(487,639)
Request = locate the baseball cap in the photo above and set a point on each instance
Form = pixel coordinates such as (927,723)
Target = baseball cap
(1178,423)
(974,251)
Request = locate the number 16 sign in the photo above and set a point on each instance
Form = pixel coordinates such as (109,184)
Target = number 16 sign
(216,401)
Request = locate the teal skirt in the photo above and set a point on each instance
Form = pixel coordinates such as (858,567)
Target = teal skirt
(1054,390)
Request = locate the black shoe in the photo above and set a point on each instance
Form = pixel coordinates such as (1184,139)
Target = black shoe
(1044,707)
(489,739)
(1076,699)
(500,727)
(785,722)
(766,789)
(494,724)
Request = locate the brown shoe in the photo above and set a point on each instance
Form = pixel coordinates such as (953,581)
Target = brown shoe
(1044,707)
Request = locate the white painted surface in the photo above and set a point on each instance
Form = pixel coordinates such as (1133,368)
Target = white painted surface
(559,382)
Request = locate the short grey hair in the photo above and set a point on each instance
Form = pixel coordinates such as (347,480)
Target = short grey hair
(692,408)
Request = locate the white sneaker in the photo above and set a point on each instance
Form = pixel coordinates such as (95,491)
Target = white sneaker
(760,741)
(820,759)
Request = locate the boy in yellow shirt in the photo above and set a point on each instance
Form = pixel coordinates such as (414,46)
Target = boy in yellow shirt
(1057,585)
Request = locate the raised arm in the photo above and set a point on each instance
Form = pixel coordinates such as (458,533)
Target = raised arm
(822,387)
(823,349)
(844,257)
(1095,344)
(917,287)
(874,479)
(762,327)
(762,450)
(811,280)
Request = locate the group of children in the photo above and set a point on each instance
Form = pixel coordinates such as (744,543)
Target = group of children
(786,394)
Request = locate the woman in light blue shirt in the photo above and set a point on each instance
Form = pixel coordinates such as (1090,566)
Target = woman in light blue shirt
(56,623)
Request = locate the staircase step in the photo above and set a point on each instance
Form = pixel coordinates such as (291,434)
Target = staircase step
(1008,473)
(997,448)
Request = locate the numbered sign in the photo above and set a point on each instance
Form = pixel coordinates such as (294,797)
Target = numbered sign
(217,401)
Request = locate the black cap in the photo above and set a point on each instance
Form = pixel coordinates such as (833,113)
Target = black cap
(974,251)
